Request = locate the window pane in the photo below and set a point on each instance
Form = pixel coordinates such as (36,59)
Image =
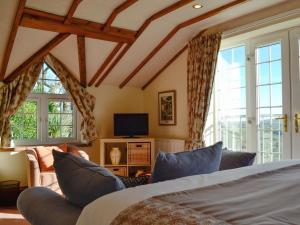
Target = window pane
(67,119)
(263,54)
(264,96)
(54,131)
(239,56)
(54,119)
(225,57)
(230,91)
(263,73)
(276,72)
(276,97)
(275,51)
(60,119)
(48,82)
(24,122)
(66,131)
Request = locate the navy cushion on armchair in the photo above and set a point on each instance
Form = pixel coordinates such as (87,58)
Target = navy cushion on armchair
(175,165)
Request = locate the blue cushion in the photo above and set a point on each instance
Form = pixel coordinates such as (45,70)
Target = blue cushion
(232,159)
(175,165)
(82,181)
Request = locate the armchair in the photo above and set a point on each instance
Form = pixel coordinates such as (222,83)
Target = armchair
(48,179)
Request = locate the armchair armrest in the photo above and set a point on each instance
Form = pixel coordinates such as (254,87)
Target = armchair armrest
(42,206)
(34,168)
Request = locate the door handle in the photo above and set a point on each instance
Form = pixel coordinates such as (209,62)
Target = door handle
(285,122)
(297,118)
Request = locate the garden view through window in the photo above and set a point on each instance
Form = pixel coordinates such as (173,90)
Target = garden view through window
(227,116)
(47,114)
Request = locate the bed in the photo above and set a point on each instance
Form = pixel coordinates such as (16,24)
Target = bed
(260,194)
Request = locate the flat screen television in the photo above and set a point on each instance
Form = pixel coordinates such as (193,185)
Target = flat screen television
(130,124)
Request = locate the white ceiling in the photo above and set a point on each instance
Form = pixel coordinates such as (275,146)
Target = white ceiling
(28,41)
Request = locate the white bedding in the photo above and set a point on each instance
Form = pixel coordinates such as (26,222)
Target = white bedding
(103,210)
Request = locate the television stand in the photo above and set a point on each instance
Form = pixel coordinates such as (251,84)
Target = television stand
(137,155)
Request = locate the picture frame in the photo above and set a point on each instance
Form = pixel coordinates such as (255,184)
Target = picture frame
(167,107)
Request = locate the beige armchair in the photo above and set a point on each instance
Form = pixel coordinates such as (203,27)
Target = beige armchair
(45,178)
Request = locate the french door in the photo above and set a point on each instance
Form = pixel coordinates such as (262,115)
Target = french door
(256,98)
(295,91)
(269,114)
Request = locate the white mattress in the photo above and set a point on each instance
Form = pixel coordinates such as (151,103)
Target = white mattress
(103,210)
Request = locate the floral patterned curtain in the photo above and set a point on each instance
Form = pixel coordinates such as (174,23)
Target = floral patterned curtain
(84,101)
(202,59)
(12,96)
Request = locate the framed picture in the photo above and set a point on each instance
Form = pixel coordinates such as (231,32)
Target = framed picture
(167,107)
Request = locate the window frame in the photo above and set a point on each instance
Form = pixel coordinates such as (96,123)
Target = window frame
(42,100)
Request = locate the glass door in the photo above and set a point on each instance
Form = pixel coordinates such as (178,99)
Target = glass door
(295,90)
(270,97)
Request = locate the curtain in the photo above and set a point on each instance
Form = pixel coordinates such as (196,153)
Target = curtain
(202,59)
(84,101)
(13,95)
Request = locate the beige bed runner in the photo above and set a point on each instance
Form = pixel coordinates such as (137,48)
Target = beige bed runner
(268,198)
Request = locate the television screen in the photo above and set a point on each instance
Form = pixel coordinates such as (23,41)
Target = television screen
(130,124)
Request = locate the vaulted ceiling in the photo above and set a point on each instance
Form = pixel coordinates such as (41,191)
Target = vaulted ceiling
(118,42)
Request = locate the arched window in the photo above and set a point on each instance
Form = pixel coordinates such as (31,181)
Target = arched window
(48,115)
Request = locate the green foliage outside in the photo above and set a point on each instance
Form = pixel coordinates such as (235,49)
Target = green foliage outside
(24,122)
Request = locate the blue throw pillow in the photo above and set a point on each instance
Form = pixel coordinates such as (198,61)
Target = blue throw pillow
(232,159)
(82,181)
(175,165)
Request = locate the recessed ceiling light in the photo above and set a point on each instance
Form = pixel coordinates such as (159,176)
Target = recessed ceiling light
(197,6)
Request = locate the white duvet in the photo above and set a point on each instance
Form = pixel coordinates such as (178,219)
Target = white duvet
(103,210)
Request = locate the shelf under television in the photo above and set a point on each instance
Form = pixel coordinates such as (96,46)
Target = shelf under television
(111,165)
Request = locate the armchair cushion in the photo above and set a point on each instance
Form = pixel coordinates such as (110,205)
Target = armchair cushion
(45,156)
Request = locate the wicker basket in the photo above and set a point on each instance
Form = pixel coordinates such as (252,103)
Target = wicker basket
(139,154)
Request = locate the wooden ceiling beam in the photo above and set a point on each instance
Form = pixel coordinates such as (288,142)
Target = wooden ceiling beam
(174,31)
(12,37)
(51,22)
(155,16)
(82,59)
(36,56)
(81,22)
(104,65)
(164,67)
(71,11)
(117,11)
(41,23)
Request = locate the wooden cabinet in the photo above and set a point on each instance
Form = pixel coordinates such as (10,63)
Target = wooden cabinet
(118,170)
(136,155)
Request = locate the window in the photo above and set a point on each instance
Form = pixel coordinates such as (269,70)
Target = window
(227,115)
(48,115)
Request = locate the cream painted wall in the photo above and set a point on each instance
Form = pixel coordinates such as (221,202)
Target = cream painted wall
(13,166)
(109,100)
(174,77)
